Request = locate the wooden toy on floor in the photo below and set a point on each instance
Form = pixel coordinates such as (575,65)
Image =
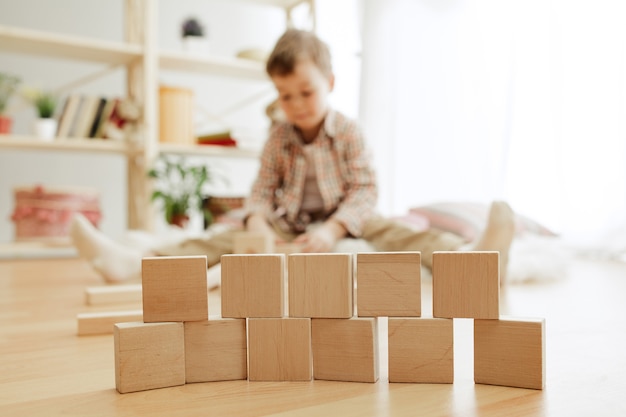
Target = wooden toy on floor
(174,289)
(252,243)
(510,352)
(215,350)
(102,322)
(321,338)
(279,349)
(113,294)
(389,284)
(345,349)
(320,285)
(466,285)
(148,356)
(421,350)
(288,248)
(253,286)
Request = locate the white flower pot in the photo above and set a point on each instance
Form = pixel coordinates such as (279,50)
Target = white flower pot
(45,129)
(196,45)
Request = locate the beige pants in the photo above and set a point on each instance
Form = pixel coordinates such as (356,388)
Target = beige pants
(385,235)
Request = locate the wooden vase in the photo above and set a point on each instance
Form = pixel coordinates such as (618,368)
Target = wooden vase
(176,115)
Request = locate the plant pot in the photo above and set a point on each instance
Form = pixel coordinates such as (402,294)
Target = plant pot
(180,220)
(5,125)
(196,45)
(45,129)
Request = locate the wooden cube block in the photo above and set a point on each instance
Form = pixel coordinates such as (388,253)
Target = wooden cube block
(510,352)
(466,285)
(345,349)
(288,248)
(252,243)
(113,294)
(321,285)
(253,285)
(421,350)
(148,356)
(279,349)
(216,350)
(175,289)
(388,284)
(102,322)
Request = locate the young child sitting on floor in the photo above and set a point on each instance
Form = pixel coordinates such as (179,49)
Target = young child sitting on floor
(315,184)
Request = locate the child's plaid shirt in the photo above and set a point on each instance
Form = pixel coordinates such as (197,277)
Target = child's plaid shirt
(344,175)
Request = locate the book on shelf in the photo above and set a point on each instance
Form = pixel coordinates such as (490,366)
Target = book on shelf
(223,138)
(219,142)
(74,122)
(107,111)
(68,115)
(85,117)
(61,111)
(95,121)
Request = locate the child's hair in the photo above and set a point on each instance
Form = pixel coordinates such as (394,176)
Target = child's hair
(295,45)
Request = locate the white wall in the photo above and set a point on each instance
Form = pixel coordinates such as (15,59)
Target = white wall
(516,100)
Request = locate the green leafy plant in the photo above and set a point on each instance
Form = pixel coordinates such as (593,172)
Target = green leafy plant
(8,85)
(180,187)
(44,101)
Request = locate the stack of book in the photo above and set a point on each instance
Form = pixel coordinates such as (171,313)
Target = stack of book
(85,116)
(220,139)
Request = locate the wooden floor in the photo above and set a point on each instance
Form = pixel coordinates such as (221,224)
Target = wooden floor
(46,370)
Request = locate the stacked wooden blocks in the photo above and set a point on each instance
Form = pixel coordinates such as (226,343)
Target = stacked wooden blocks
(176,343)
(297,317)
(420,349)
(507,351)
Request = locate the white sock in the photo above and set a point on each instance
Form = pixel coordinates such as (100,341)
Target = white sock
(113,261)
(214,276)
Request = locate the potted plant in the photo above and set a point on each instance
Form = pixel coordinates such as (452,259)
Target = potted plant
(180,188)
(193,35)
(45,103)
(8,84)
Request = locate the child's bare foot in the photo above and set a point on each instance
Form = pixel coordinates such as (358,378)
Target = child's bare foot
(113,261)
(499,233)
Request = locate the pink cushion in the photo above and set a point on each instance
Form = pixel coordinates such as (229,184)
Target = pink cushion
(468,219)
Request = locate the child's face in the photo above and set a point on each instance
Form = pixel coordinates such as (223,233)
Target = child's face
(303,96)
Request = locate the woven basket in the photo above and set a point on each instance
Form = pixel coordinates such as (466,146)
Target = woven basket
(46,212)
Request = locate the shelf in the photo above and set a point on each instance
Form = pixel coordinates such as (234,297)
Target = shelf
(38,43)
(285,4)
(208,150)
(21,142)
(232,67)
(143,63)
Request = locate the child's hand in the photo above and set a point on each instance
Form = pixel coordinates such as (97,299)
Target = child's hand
(316,241)
(321,239)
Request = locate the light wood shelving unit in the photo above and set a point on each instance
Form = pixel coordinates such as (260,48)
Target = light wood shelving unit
(69,145)
(52,45)
(143,60)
